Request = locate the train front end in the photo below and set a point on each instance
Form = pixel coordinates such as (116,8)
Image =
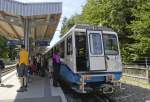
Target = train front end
(98,60)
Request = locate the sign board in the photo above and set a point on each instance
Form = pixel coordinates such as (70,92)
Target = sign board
(13,42)
(42,43)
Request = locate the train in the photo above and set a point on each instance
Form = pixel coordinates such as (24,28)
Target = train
(91,59)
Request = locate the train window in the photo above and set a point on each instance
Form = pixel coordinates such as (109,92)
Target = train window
(62,50)
(110,44)
(69,45)
(95,43)
(80,45)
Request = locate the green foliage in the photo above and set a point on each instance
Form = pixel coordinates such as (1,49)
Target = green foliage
(140,27)
(3,47)
(68,23)
(129,18)
(6,51)
(116,14)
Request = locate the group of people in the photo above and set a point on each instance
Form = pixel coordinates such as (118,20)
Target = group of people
(37,65)
(27,67)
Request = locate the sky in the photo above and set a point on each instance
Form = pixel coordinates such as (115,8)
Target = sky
(70,7)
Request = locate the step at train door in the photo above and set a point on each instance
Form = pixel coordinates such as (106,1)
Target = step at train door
(96,50)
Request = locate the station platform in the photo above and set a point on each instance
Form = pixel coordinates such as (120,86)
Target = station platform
(39,90)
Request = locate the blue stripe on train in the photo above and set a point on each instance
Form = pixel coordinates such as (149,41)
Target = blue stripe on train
(102,77)
(67,74)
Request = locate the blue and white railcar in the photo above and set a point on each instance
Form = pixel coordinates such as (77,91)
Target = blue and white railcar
(91,58)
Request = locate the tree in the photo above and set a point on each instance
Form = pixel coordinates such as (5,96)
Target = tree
(140,27)
(129,18)
(3,47)
(68,23)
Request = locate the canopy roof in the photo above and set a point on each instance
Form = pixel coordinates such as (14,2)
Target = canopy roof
(43,18)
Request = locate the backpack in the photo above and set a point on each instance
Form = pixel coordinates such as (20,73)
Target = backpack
(2,65)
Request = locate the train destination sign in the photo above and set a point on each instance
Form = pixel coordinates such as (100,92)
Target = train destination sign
(13,42)
(42,43)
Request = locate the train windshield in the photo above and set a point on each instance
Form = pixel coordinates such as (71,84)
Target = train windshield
(95,43)
(110,44)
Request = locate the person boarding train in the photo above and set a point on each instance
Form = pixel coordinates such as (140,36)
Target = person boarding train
(56,65)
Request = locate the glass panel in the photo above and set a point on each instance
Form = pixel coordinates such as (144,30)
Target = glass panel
(69,45)
(95,43)
(62,49)
(110,44)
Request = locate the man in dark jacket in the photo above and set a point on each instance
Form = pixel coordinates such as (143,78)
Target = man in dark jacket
(2,66)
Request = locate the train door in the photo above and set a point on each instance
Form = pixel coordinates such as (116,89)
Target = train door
(69,52)
(81,52)
(111,48)
(96,51)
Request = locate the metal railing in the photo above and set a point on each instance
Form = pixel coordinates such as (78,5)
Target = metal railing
(138,69)
(8,69)
(140,62)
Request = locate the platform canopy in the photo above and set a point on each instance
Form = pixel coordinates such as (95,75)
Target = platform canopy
(43,19)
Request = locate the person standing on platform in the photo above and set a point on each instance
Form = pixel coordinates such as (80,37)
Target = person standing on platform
(35,65)
(38,64)
(32,67)
(2,66)
(42,68)
(46,64)
(56,65)
(22,70)
(50,70)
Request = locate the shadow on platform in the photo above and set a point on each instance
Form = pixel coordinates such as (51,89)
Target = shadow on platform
(38,91)
(6,86)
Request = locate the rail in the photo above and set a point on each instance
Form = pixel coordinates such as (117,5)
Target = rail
(8,69)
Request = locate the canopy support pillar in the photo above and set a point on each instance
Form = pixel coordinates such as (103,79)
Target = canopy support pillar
(27,32)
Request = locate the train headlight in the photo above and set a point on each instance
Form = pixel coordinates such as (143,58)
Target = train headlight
(87,77)
(110,77)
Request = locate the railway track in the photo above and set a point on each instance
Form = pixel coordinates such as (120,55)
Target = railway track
(8,70)
(72,96)
(93,97)
(104,98)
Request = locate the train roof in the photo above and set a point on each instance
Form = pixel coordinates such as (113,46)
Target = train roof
(82,26)
(92,27)
(87,27)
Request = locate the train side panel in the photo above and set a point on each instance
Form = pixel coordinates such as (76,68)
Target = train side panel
(91,58)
